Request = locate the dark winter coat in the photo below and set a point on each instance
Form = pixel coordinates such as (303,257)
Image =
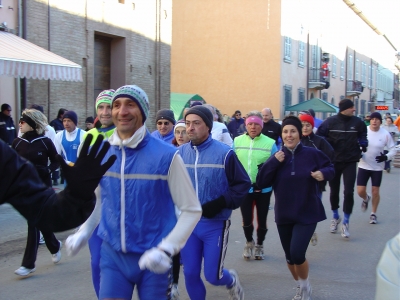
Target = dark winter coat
(38,149)
(346,134)
(297,194)
(7,129)
(21,186)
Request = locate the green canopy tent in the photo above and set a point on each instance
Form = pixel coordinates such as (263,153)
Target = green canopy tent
(181,101)
(318,105)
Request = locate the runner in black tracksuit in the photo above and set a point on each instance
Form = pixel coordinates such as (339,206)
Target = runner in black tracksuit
(347,135)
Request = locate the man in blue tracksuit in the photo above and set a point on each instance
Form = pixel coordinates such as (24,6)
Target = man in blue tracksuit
(137,199)
(221,184)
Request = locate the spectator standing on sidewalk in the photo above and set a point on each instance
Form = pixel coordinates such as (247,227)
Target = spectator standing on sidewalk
(253,149)
(38,149)
(372,163)
(294,173)
(221,184)
(7,127)
(347,135)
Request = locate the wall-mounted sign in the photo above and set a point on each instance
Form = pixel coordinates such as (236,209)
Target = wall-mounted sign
(381,107)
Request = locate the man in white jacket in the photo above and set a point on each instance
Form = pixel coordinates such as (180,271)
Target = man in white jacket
(138,196)
(372,163)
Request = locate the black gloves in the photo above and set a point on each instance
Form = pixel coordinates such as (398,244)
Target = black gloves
(213,207)
(83,178)
(381,158)
(363,149)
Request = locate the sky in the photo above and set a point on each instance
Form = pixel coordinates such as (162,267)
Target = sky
(385,15)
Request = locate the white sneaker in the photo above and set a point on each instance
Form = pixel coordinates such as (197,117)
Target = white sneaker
(364,203)
(259,252)
(345,231)
(248,250)
(236,291)
(57,256)
(174,292)
(306,293)
(334,225)
(372,219)
(314,239)
(298,294)
(22,271)
(41,239)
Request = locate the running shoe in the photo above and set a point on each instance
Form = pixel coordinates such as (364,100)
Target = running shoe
(22,271)
(334,224)
(345,231)
(57,256)
(174,292)
(372,219)
(41,239)
(248,250)
(314,239)
(364,203)
(236,291)
(259,252)
(298,294)
(306,292)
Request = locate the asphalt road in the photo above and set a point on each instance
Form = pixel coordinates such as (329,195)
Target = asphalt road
(339,269)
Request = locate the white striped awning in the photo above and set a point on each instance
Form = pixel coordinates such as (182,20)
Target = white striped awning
(20,58)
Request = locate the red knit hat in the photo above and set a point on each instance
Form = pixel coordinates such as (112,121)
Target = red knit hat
(307,118)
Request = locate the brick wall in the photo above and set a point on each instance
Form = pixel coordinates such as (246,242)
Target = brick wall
(73,25)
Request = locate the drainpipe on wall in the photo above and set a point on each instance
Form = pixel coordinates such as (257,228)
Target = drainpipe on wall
(345,70)
(23,80)
(308,63)
(18,80)
(157,58)
(48,46)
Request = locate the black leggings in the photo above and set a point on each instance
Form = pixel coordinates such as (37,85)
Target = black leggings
(295,239)
(261,202)
(349,171)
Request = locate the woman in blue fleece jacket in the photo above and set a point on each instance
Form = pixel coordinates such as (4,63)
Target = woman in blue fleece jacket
(294,173)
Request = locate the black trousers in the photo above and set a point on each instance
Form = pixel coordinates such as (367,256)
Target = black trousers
(349,172)
(32,244)
(261,202)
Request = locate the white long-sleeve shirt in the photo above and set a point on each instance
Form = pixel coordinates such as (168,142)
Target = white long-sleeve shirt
(377,141)
(220,133)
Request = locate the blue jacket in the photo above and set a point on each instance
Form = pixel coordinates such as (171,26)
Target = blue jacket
(166,138)
(216,171)
(297,194)
(131,193)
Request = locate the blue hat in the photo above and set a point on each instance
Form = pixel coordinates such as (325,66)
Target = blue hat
(72,116)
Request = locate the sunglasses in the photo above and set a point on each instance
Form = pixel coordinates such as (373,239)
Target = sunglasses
(22,122)
(163,123)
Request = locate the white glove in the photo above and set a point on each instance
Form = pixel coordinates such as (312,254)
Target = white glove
(75,242)
(155,260)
